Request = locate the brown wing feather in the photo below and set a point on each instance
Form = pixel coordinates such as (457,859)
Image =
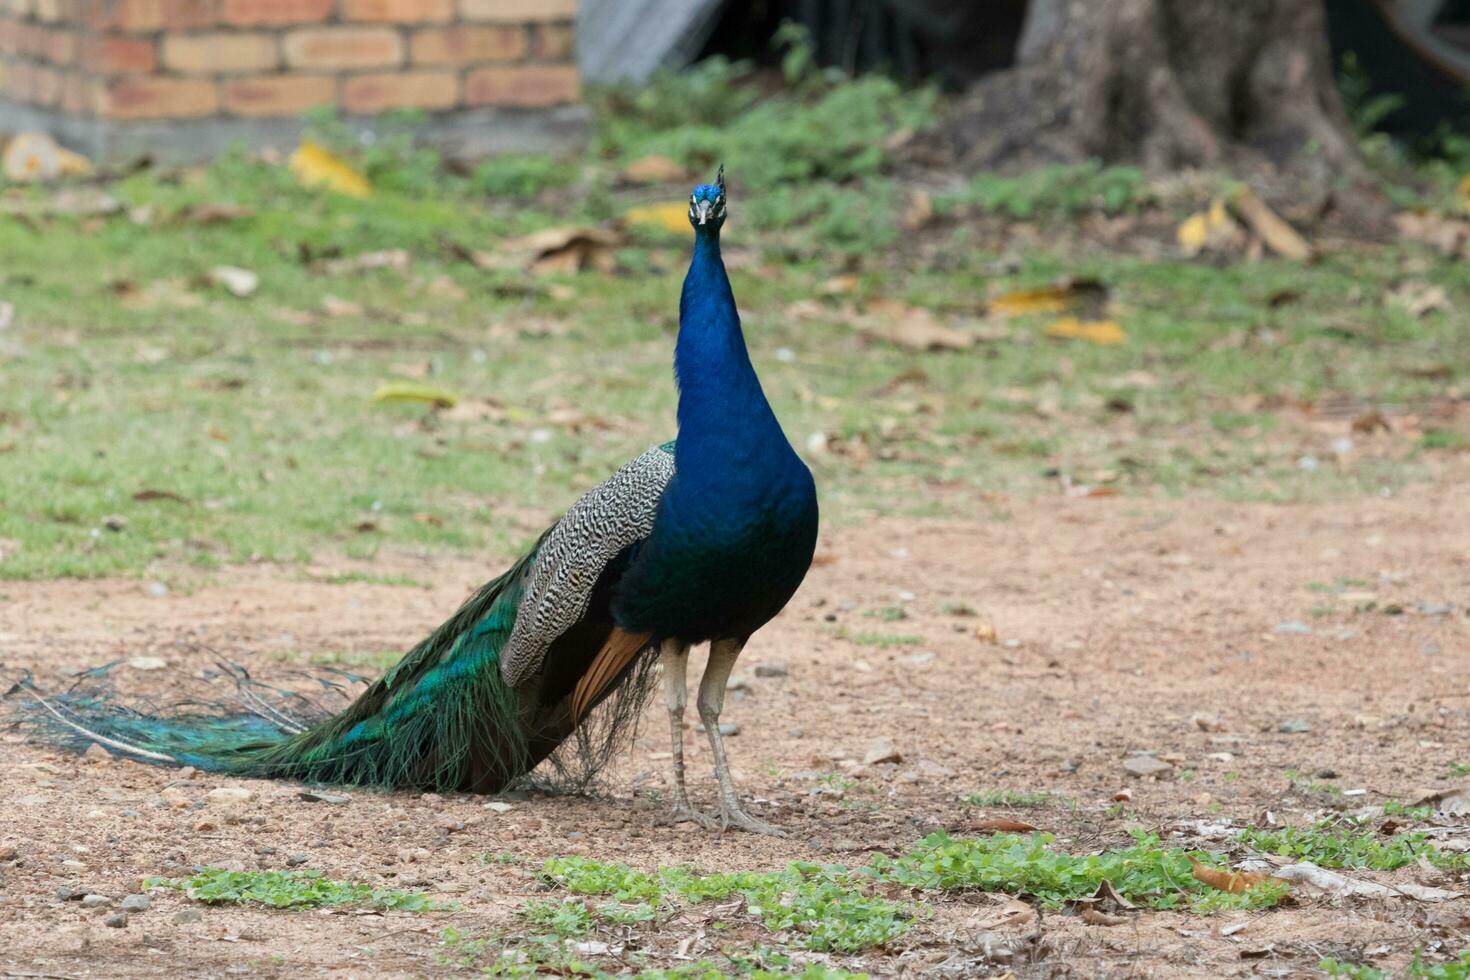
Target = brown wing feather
(616,653)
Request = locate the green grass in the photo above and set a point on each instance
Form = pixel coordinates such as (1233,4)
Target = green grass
(224,429)
(883,641)
(1007,797)
(829,909)
(1147,874)
(292,890)
(1455,969)
(1341,844)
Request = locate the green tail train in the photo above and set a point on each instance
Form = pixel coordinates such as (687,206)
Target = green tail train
(442,719)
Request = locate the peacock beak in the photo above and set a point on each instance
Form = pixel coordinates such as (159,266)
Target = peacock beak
(702,210)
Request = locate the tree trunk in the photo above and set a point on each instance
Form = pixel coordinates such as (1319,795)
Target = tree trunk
(1167,84)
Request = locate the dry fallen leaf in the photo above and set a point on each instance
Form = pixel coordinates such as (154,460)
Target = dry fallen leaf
(915,327)
(568,248)
(670,216)
(1212,229)
(238,282)
(1279,236)
(919,211)
(388,258)
(1072,296)
(212,214)
(838,285)
(1419,298)
(655,169)
(1015,913)
(1233,882)
(1093,917)
(144,496)
(1450,802)
(1104,333)
(1000,825)
(1337,884)
(316,166)
(1370,422)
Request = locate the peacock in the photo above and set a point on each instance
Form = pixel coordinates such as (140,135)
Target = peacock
(700,539)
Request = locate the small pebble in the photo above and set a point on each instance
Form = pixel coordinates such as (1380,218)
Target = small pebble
(1292,629)
(8,853)
(297,860)
(729,728)
(71,893)
(576,835)
(95,901)
(1294,726)
(184,917)
(770,670)
(136,903)
(117,920)
(793,733)
(230,794)
(496,806)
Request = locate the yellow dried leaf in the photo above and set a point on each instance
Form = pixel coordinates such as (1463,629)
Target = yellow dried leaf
(415,391)
(1104,333)
(1048,299)
(316,166)
(1269,226)
(670,216)
(1074,295)
(1212,228)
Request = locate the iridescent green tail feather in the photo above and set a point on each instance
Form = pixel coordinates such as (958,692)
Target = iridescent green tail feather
(441,719)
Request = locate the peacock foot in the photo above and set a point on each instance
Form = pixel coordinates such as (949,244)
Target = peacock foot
(684,813)
(732,816)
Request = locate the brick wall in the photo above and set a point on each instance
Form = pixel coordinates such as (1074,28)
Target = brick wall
(130,60)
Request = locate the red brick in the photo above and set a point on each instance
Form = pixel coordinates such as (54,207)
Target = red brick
(220,52)
(45,85)
(400,90)
(30,39)
(119,56)
(145,16)
(61,47)
(462,45)
(518,11)
(554,42)
(333,48)
(522,85)
(74,93)
(20,81)
(279,95)
(158,98)
(399,11)
(249,13)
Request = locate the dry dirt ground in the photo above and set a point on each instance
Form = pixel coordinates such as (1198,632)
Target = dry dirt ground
(1121,624)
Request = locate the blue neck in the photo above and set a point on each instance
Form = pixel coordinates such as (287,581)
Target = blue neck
(723,413)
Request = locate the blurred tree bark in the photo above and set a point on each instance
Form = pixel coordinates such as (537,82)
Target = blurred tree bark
(1163,83)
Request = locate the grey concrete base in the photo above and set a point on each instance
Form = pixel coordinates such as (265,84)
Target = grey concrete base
(466,134)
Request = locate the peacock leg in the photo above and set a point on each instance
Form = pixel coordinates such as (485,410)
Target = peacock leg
(674,656)
(722,656)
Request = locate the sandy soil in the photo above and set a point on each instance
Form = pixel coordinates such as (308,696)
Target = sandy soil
(1186,627)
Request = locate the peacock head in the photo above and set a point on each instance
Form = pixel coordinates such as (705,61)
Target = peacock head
(707,203)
